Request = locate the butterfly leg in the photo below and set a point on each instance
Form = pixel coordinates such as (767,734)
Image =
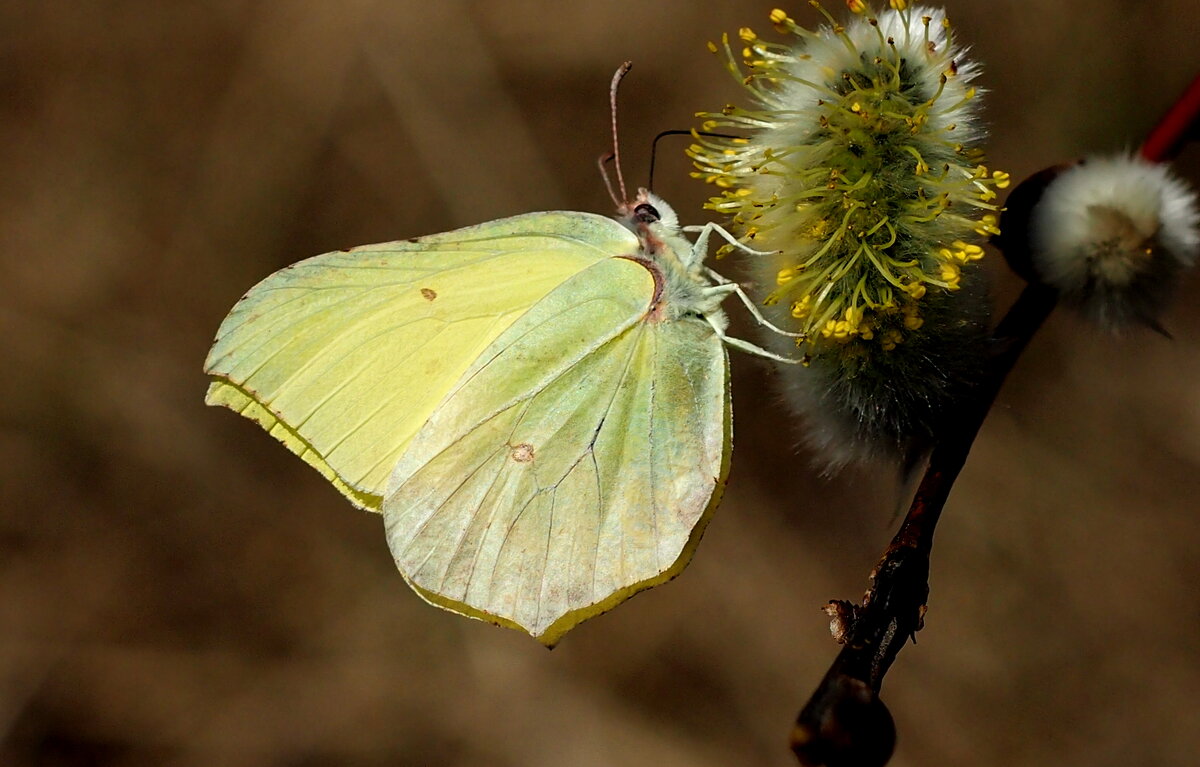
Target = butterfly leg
(750,348)
(726,287)
(700,249)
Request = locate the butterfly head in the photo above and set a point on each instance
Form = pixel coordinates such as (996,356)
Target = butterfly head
(649,208)
(649,216)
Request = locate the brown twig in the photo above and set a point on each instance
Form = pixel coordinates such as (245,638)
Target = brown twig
(844,723)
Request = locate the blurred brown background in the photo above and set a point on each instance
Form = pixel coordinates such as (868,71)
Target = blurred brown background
(178,589)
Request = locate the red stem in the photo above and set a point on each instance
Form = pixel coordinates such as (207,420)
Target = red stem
(1179,125)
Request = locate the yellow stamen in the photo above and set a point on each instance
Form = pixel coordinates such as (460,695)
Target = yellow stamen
(951,276)
(891,339)
(854,316)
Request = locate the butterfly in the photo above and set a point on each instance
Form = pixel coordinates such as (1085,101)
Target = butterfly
(539,406)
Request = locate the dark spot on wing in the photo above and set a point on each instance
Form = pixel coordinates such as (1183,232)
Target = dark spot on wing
(522,453)
(428,293)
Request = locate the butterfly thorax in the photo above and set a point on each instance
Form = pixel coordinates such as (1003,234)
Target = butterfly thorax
(682,288)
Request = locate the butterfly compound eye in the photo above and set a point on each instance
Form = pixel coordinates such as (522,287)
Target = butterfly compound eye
(646,213)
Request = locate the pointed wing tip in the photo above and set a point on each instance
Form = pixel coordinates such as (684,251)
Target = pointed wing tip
(210,393)
(223,392)
(547,641)
(550,632)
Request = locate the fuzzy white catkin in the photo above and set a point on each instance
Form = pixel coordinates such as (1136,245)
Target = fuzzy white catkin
(1111,235)
(857,164)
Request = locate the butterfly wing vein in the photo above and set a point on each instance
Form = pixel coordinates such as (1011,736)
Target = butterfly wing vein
(556,481)
(343,356)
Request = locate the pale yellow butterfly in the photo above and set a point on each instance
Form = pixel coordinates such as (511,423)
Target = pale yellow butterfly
(538,405)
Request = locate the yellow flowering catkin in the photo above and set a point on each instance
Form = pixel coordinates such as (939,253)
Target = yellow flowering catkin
(858,165)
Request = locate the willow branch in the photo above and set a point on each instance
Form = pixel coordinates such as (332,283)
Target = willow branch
(844,723)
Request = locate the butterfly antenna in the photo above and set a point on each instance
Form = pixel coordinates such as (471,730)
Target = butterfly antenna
(603,162)
(616,153)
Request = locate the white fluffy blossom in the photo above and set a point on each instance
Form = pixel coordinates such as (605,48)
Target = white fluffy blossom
(857,163)
(1111,234)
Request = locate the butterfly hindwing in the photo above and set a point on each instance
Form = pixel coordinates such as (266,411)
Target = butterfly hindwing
(572,465)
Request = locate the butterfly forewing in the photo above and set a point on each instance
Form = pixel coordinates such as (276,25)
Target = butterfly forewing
(342,357)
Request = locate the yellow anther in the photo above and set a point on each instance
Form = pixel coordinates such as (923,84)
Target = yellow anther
(916,290)
(865,332)
(890,339)
(855,107)
(712,47)
(856,6)
(965,252)
(854,316)
(801,308)
(897,5)
(785,276)
(951,275)
(747,34)
(1002,179)
(913,321)
(988,225)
